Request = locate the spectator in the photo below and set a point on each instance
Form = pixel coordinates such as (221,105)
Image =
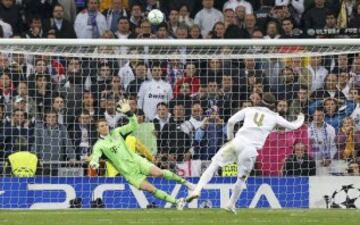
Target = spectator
(114,13)
(5,29)
(355,68)
(333,113)
(72,88)
(63,28)
(123,29)
(18,136)
(163,31)
(344,83)
(207,17)
(22,94)
(69,7)
(173,22)
(42,94)
(145,30)
(184,15)
(299,163)
(90,23)
(329,90)
(162,117)
(52,143)
(126,72)
(89,106)
(341,64)
(314,18)
(6,92)
(153,92)
(111,115)
(83,134)
(218,31)
(272,31)
(195,32)
(140,76)
(255,98)
(190,77)
(354,95)
(240,13)
(250,26)
(355,19)
(230,96)
(19,69)
(353,169)
(287,87)
(348,140)
(135,16)
(288,30)
(300,103)
(210,134)
(182,32)
(58,106)
(175,142)
(282,107)
(317,73)
(36,29)
(212,97)
(233,4)
(103,81)
(10,13)
(322,139)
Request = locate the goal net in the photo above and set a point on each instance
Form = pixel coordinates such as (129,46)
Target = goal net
(52,92)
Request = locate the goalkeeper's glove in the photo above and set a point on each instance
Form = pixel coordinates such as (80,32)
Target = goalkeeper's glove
(94,165)
(124,107)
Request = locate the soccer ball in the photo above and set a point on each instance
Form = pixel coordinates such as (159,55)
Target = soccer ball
(155,17)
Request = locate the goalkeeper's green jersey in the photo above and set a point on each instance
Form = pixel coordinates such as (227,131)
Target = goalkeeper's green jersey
(113,146)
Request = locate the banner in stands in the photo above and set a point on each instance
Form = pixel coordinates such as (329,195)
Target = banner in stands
(62,192)
(334,192)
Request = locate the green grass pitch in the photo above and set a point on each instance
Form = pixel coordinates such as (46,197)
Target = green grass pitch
(186,217)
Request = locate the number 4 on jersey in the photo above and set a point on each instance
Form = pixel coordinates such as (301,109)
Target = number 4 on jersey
(259,121)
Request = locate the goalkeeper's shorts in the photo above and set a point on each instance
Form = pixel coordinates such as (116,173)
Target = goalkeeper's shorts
(140,173)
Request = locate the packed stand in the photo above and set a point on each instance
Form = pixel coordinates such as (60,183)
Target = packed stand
(49,104)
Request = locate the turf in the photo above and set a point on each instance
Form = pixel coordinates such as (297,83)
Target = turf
(188,217)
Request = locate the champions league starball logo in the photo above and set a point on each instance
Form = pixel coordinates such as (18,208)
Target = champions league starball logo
(347,197)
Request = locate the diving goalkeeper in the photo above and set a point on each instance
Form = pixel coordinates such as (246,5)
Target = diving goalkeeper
(133,167)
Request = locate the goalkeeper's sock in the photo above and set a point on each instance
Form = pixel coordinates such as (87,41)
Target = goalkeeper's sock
(206,177)
(164,196)
(168,175)
(236,192)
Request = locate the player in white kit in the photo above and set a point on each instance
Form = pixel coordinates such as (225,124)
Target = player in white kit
(258,123)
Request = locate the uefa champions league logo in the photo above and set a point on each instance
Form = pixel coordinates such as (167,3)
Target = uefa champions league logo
(346,197)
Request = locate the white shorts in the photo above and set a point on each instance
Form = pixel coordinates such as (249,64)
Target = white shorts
(237,150)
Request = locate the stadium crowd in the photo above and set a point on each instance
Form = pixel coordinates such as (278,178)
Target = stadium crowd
(49,105)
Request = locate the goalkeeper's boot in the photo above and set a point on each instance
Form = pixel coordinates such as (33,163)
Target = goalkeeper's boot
(230,208)
(192,196)
(190,186)
(180,203)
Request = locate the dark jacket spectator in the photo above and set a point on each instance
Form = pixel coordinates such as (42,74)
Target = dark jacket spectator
(299,163)
(10,13)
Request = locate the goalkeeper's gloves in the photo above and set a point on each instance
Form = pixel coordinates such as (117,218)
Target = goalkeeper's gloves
(94,165)
(124,107)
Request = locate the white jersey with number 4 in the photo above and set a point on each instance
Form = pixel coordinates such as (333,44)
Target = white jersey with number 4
(258,123)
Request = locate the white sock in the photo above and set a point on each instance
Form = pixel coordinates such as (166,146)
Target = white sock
(236,192)
(206,177)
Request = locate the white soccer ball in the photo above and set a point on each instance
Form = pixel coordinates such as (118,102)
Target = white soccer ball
(155,17)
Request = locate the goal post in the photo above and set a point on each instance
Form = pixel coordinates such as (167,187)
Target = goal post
(183,91)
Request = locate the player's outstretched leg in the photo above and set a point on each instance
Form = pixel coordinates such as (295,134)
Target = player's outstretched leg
(160,194)
(245,166)
(168,175)
(204,179)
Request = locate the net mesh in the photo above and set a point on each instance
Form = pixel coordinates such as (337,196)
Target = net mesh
(52,96)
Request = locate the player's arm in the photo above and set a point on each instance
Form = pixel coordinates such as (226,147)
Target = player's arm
(95,156)
(239,116)
(291,125)
(124,107)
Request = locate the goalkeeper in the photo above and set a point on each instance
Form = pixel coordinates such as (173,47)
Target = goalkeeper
(133,167)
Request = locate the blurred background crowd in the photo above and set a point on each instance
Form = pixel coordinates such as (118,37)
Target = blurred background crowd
(49,104)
